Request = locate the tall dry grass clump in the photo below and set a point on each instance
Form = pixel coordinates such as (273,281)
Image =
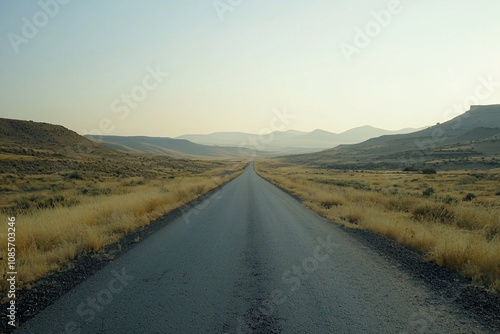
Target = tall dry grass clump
(448,227)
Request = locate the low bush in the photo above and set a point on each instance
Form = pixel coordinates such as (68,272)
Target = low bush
(449,200)
(469,197)
(429,171)
(76,175)
(410,169)
(428,192)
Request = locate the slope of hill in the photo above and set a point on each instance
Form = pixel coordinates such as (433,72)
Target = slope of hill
(362,133)
(35,138)
(218,138)
(471,140)
(33,148)
(291,141)
(180,148)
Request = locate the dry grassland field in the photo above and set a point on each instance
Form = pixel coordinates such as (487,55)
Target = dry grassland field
(62,214)
(452,217)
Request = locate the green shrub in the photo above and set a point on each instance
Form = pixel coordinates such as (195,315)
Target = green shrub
(76,175)
(429,171)
(449,200)
(469,197)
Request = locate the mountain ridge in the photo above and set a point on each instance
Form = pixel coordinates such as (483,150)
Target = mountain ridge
(291,140)
(470,140)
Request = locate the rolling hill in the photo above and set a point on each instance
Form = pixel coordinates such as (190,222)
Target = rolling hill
(471,140)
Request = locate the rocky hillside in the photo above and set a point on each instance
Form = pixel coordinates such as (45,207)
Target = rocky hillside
(35,138)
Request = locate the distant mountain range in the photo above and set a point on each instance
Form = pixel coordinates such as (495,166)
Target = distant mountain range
(471,140)
(178,148)
(291,141)
(240,144)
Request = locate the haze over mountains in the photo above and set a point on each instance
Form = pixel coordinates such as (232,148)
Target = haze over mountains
(291,141)
(240,144)
(471,140)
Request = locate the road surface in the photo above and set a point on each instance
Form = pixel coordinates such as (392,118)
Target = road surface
(250,259)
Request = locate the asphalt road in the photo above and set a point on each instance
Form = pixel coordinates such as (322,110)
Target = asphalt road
(250,259)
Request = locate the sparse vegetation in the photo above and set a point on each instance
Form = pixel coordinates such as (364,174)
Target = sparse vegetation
(52,235)
(424,213)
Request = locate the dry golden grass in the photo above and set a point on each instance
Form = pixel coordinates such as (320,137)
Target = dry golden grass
(451,229)
(47,238)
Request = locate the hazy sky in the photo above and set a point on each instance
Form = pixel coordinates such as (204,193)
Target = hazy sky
(334,65)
